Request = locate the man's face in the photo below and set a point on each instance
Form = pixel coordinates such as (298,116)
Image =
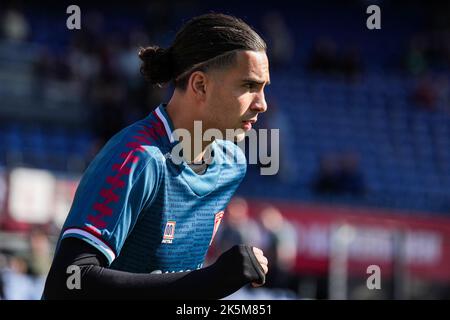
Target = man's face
(237,93)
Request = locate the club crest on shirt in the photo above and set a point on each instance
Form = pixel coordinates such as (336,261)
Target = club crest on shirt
(217,219)
(169,232)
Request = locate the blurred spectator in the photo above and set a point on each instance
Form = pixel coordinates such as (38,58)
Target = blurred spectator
(351,65)
(323,58)
(351,179)
(415,60)
(17,284)
(327,181)
(237,227)
(40,253)
(425,95)
(340,174)
(280,248)
(14,25)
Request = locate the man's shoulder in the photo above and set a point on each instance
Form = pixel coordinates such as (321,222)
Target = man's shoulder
(138,143)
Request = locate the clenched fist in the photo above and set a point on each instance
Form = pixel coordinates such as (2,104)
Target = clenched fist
(263,262)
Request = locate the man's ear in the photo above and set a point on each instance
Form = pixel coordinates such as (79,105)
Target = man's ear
(198,84)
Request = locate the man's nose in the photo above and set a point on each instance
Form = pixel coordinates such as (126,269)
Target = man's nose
(259,104)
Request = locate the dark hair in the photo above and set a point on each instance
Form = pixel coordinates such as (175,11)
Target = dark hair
(205,42)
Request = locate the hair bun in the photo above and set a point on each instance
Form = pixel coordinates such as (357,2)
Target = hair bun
(156,64)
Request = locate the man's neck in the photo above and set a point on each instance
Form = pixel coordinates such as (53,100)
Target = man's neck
(183,113)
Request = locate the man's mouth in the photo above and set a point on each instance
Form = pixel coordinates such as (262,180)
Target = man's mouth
(247,124)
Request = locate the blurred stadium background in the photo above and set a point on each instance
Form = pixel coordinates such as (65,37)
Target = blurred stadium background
(364,119)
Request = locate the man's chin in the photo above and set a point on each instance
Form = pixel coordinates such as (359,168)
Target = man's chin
(239,137)
(235,135)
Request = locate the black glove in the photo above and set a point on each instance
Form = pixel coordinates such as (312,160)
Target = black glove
(240,266)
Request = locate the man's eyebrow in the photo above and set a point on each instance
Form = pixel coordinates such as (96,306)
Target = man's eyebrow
(257,81)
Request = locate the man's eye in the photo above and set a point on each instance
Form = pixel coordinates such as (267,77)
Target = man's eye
(249,85)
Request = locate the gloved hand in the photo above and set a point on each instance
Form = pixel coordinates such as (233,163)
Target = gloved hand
(243,264)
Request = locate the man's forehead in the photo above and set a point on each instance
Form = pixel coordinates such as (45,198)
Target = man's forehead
(254,65)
